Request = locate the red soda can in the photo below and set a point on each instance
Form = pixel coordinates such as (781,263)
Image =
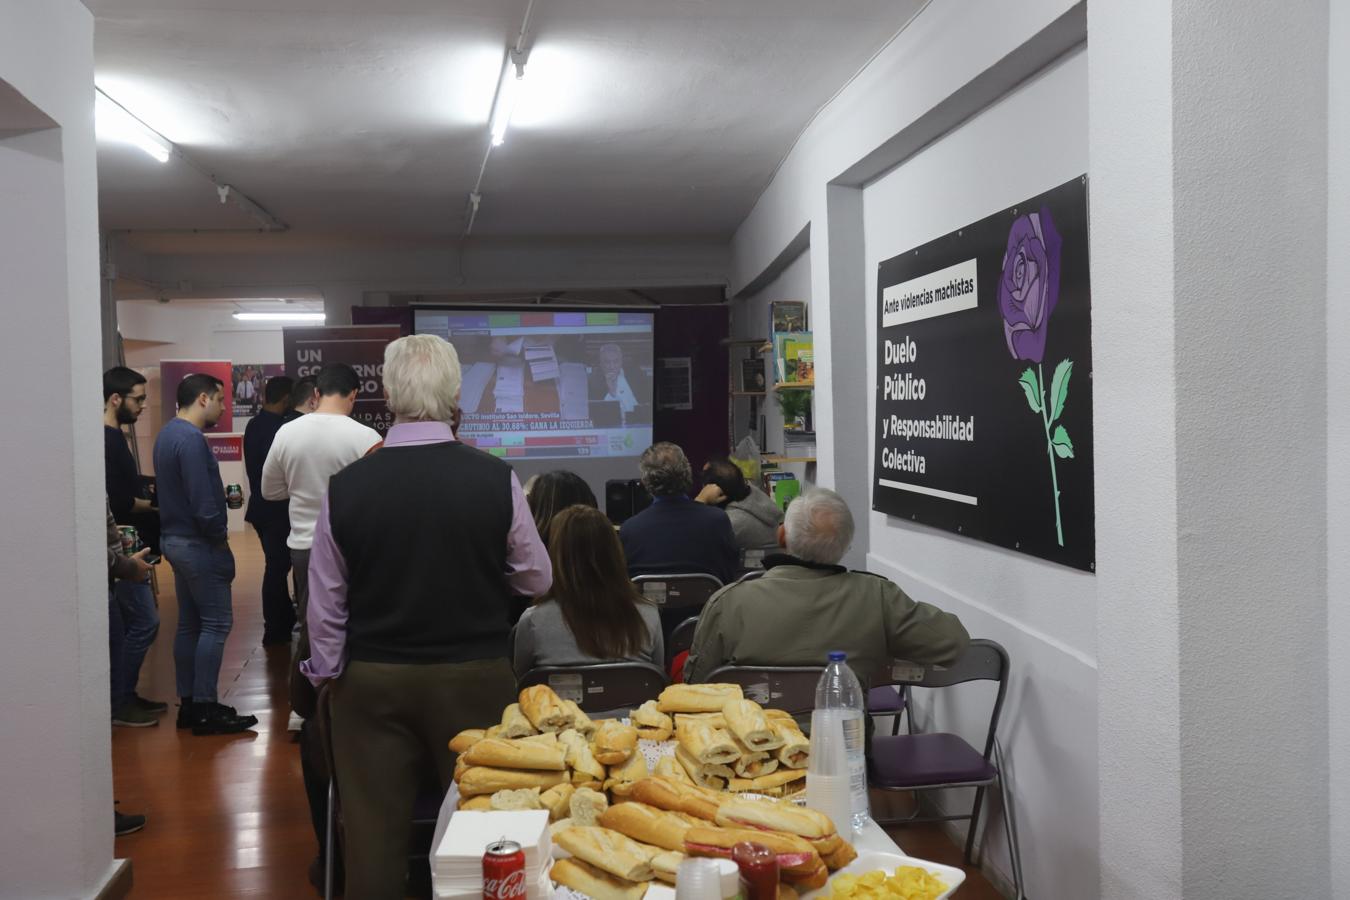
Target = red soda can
(503,871)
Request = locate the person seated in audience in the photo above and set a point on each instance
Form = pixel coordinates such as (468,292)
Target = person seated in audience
(754,517)
(675,535)
(592,613)
(805,604)
(552,492)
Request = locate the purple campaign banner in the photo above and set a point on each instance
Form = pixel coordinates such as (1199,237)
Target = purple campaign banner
(307,350)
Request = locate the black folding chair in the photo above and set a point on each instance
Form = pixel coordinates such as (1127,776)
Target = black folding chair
(889,696)
(681,639)
(789,688)
(603,690)
(677,596)
(923,762)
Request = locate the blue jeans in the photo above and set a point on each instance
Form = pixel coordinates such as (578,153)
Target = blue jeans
(202,572)
(140,625)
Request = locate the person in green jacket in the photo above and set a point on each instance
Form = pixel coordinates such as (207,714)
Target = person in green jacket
(805,604)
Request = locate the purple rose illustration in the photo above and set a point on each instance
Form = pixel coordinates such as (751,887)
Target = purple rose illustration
(1029,288)
(1027,293)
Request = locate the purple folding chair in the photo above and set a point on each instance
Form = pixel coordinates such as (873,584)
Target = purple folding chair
(921,762)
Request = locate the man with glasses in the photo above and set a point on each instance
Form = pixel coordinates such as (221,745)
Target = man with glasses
(123,402)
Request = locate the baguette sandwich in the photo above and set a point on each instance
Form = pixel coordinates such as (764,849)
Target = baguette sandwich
(669,767)
(608,850)
(798,862)
(586,806)
(746,720)
(465,739)
(585,767)
(556,800)
(544,709)
(671,795)
(795,751)
(651,723)
(665,865)
(524,798)
(598,884)
(710,746)
(613,742)
(482,780)
(697,698)
(789,818)
(515,724)
(776,784)
(754,763)
(622,777)
(580,721)
(647,824)
(503,754)
(481,803)
(713,777)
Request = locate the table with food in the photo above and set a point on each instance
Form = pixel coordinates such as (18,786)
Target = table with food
(700,790)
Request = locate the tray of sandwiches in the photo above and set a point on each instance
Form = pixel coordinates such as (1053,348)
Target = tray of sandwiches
(694,772)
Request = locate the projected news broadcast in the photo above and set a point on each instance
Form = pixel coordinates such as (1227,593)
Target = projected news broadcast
(555,384)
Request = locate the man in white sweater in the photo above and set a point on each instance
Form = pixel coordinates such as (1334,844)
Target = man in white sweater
(307,452)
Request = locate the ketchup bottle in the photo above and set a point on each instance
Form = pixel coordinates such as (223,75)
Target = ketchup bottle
(759,870)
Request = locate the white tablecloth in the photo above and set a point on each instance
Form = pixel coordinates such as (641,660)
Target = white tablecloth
(871,838)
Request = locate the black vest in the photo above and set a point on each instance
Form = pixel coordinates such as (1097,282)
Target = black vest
(423,530)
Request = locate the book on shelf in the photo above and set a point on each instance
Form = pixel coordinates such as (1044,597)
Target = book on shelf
(752,374)
(788,350)
(787,315)
(781,487)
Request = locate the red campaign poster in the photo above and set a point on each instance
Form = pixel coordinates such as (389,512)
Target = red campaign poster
(226,447)
(173,371)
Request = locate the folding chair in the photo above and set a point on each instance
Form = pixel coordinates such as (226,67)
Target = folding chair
(605,690)
(886,698)
(682,638)
(752,558)
(677,596)
(789,688)
(922,762)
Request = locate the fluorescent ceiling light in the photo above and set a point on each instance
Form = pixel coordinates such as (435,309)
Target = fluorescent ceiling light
(508,91)
(112,122)
(280,317)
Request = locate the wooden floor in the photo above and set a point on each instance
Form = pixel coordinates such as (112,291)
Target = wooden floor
(227,815)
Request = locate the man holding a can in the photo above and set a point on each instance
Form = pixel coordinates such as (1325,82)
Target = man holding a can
(123,402)
(196,542)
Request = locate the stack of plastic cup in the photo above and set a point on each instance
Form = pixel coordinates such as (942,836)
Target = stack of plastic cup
(698,879)
(827,773)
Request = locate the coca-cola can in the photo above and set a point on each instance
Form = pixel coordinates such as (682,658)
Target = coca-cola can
(131,539)
(503,871)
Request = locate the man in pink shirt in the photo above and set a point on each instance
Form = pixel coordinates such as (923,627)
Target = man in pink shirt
(417,551)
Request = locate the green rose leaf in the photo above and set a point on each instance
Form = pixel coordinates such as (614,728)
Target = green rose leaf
(1032,387)
(1059,388)
(1060,441)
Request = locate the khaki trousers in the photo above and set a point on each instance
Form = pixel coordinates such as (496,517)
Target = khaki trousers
(391,724)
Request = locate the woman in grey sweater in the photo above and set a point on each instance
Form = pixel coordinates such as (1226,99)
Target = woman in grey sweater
(592,613)
(754,517)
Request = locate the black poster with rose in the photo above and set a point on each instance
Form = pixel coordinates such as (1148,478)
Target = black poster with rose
(984,381)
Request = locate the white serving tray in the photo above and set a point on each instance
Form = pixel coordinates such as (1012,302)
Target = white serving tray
(874,859)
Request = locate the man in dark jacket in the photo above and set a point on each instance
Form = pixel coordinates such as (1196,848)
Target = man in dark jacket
(270,518)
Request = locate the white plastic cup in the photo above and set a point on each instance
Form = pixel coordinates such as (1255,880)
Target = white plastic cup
(698,879)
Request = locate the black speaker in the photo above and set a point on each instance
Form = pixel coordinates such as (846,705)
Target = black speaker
(625,499)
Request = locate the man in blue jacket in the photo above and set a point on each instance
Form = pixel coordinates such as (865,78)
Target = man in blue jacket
(196,541)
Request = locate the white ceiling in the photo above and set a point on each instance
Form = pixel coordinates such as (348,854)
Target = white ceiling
(368,118)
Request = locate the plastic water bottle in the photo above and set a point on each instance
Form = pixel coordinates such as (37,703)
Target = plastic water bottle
(841,704)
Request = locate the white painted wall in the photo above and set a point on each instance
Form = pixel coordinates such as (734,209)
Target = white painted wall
(1045,615)
(1338,441)
(55,777)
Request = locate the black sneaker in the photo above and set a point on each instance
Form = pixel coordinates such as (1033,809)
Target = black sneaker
(154,706)
(126,824)
(213,718)
(187,713)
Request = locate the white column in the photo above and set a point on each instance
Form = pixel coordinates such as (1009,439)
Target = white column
(1208,196)
(54,715)
(338,300)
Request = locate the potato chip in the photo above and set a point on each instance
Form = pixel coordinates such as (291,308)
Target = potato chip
(905,883)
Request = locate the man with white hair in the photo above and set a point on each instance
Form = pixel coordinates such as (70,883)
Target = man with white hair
(418,549)
(805,604)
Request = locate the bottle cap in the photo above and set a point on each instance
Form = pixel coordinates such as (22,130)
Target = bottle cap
(838,656)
